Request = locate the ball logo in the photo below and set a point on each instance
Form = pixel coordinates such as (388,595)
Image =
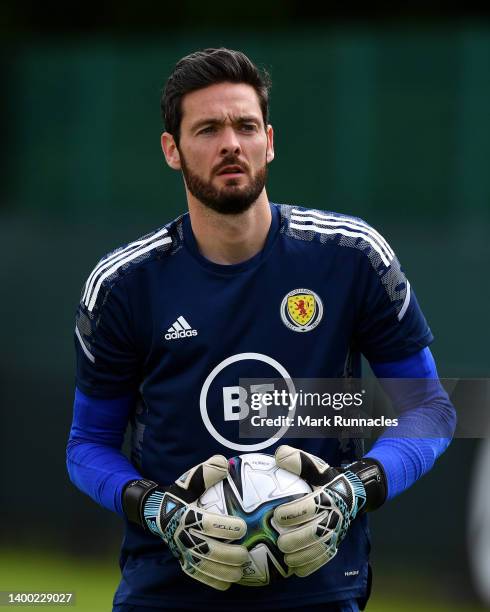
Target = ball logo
(301,310)
(237,400)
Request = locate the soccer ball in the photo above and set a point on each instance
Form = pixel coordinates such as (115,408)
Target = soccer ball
(253,488)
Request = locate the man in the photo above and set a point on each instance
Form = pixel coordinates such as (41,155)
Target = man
(169,324)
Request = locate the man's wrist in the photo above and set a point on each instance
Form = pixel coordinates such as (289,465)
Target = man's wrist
(371,473)
(134,495)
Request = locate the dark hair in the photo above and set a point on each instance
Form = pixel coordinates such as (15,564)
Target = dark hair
(208,67)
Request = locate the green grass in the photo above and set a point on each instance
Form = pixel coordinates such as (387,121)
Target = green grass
(400,592)
(394,604)
(94,583)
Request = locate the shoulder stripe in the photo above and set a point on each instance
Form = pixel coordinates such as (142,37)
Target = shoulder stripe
(406,302)
(88,354)
(338,221)
(102,265)
(90,300)
(345,232)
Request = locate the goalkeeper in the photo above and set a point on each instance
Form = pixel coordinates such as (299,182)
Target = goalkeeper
(239,287)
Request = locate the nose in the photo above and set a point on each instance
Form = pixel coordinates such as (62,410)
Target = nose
(230,142)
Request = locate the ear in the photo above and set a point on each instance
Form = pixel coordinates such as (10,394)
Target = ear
(270,144)
(170,151)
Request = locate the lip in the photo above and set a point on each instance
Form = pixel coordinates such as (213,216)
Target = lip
(228,170)
(232,174)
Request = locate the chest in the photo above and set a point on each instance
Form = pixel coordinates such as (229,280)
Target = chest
(295,307)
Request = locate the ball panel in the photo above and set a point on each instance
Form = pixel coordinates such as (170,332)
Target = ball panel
(254,487)
(213,499)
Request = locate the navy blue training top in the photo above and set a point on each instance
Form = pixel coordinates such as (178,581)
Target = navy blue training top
(159,321)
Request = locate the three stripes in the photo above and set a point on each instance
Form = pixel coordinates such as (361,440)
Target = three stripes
(108,266)
(323,223)
(329,224)
(179,325)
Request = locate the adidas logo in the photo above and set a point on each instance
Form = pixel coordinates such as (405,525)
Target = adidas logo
(180,329)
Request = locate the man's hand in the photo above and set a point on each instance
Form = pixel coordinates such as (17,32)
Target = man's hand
(192,534)
(320,520)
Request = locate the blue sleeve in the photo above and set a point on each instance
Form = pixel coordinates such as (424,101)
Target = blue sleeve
(406,458)
(94,459)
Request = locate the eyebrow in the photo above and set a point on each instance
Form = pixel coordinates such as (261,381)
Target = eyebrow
(212,121)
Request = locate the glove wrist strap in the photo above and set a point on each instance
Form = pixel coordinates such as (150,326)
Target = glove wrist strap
(371,474)
(134,496)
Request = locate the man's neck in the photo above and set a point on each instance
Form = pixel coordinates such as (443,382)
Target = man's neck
(230,239)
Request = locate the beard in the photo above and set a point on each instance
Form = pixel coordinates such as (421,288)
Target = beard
(232,199)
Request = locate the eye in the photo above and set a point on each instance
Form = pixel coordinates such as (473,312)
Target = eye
(208,130)
(248,127)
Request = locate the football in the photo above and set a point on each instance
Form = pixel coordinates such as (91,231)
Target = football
(254,487)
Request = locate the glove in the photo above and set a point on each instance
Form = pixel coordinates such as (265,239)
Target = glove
(319,521)
(192,534)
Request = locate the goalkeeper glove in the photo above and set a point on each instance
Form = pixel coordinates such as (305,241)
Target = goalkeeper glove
(192,534)
(320,519)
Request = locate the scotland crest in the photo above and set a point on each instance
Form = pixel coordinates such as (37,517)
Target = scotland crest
(301,310)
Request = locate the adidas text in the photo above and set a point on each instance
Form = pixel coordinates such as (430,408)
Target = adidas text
(175,335)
